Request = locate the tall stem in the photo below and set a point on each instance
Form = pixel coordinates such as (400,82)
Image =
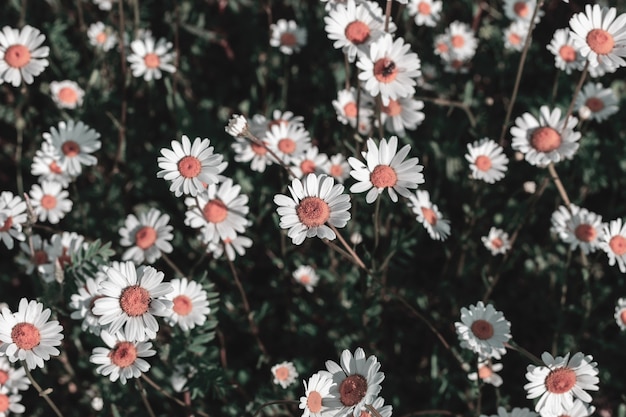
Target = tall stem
(121,138)
(387,15)
(376,223)
(351,251)
(166,394)
(42,393)
(144,397)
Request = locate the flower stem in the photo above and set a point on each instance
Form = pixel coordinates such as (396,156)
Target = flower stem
(121,138)
(248,135)
(168,395)
(514,346)
(387,14)
(144,398)
(373,410)
(376,223)
(42,393)
(351,251)
(172,265)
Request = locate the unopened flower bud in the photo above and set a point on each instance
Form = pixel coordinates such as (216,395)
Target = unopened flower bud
(237,126)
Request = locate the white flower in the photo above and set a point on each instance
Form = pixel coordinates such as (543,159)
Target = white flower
(287,36)
(578,409)
(253,152)
(429,215)
(497,241)
(34,260)
(314,201)
(74,142)
(389,69)
(67,94)
(288,140)
(620,313)
(10,402)
(613,242)
(487,160)
(306,276)
(219,212)
(426,12)
(190,306)
(190,166)
(284,374)
(487,373)
(101,36)
(148,59)
(385,169)
(578,227)
(14,379)
(237,126)
(50,201)
(566,55)
(515,35)
(83,302)
(516,412)
(337,167)
(27,335)
(483,330)
(461,41)
(12,217)
(546,140)
(315,392)
(347,110)
(147,236)
(59,252)
(402,114)
(21,55)
(47,166)
(232,247)
(104,4)
(521,10)
(309,162)
(123,359)
(131,299)
(601,102)
(356,383)
(560,381)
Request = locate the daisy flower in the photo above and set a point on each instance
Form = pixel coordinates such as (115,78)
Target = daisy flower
(237,126)
(546,140)
(601,102)
(402,114)
(101,36)
(47,166)
(190,166)
(354,27)
(147,236)
(219,212)
(287,36)
(315,392)
(50,201)
(578,227)
(288,140)
(613,242)
(337,167)
(14,379)
(515,35)
(306,276)
(497,241)
(566,54)
(66,94)
(12,217)
(62,247)
(123,359)
(147,58)
(356,383)
(21,55)
(487,160)
(487,373)
(462,42)
(385,169)
(104,4)
(190,306)
(560,381)
(347,109)
(309,162)
(620,313)
(32,261)
(131,297)
(285,118)
(516,412)
(232,247)
(284,374)
(74,142)
(578,409)
(483,330)
(521,10)
(599,35)
(389,69)
(10,402)
(253,152)
(429,215)
(426,12)
(84,301)
(27,335)
(314,201)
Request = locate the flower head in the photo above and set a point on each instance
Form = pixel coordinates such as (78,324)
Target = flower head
(284,374)
(306,276)
(147,235)
(148,58)
(315,394)
(486,372)
(287,36)
(487,160)
(190,306)
(497,241)
(578,227)
(12,217)
(429,215)
(483,330)
(74,142)
(66,94)
(22,57)
(50,201)
(613,242)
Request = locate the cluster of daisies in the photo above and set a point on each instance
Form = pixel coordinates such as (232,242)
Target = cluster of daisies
(560,383)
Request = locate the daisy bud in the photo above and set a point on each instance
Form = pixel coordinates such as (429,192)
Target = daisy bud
(584,112)
(237,126)
(356,238)
(530,187)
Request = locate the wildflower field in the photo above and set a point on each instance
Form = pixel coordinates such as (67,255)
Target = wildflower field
(322,208)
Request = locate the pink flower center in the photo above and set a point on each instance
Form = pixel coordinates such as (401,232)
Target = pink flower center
(55,168)
(560,380)
(215,211)
(305,279)
(622,316)
(385,70)
(545,139)
(152,60)
(483,163)
(307,166)
(123,354)
(497,243)
(567,53)
(357,32)
(101,37)
(383,176)
(17,56)
(25,336)
(618,245)
(352,390)
(135,300)
(40,257)
(336,170)
(6,226)
(313,211)
(145,237)
(68,95)
(515,39)
(258,149)
(484,371)
(350,109)
(189,166)
(457,41)
(4,377)
(288,39)
(287,145)
(48,202)
(393,109)
(594,104)
(429,216)
(314,402)
(4,403)
(182,305)
(521,9)
(482,329)
(442,47)
(70,148)
(600,41)
(585,232)
(423,8)
(282,373)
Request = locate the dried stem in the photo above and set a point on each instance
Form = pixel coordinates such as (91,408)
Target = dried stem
(81,18)
(457,104)
(351,252)
(172,265)
(121,139)
(387,15)
(42,393)
(168,395)
(144,398)
(373,410)
(559,185)
(514,346)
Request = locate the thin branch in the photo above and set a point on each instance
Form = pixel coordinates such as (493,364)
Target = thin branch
(387,15)
(171,397)
(121,139)
(144,398)
(42,393)
(457,104)
(349,249)
(514,346)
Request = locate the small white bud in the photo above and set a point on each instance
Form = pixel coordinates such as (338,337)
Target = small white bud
(356,238)
(530,187)
(584,112)
(237,125)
